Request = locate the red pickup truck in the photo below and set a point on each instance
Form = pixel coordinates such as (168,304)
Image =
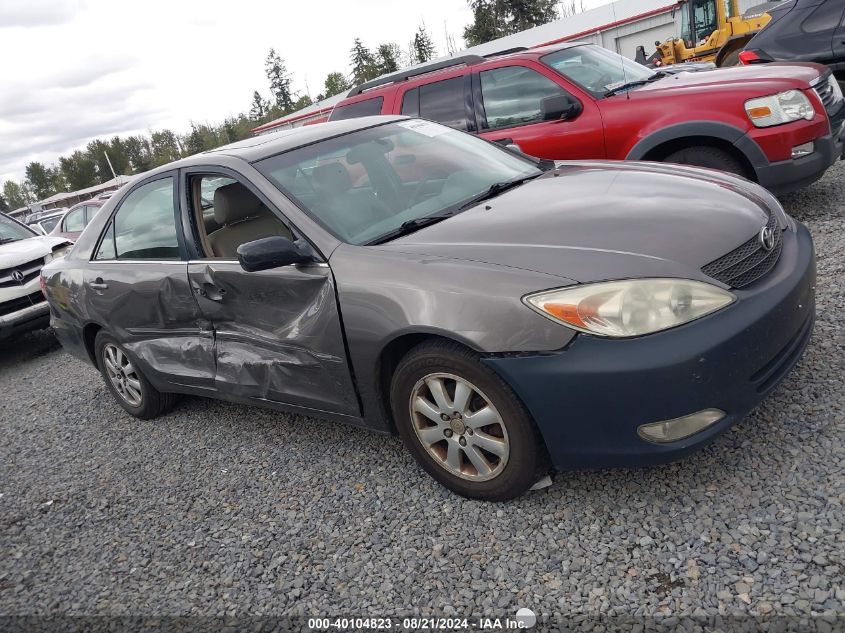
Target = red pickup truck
(780,125)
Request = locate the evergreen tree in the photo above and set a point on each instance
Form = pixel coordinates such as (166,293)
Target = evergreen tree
(280,81)
(422,47)
(259,107)
(389,58)
(4,206)
(493,19)
(364,66)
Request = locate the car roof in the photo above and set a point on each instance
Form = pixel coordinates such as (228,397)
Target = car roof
(434,70)
(266,145)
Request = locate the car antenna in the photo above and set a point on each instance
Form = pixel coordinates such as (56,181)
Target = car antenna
(624,74)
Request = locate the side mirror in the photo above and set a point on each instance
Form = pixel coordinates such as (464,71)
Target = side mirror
(272,252)
(560,107)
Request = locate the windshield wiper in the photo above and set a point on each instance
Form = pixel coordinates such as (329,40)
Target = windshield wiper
(496,189)
(6,240)
(411,226)
(634,84)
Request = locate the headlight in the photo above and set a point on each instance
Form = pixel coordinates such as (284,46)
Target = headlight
(630,308)
(784,107)
(60,251)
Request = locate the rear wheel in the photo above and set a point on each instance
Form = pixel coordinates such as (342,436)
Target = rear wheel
(464,425)
(709,157)
(127,384)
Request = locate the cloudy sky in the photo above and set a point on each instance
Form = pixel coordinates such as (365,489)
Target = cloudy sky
(75,70)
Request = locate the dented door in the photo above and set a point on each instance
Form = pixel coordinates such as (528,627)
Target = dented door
(277,334)
(149,307)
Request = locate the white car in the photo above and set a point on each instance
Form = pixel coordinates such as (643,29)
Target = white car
(22,255)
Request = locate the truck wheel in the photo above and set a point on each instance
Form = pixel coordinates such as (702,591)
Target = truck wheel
(709,157)
(731,59)
(464,425)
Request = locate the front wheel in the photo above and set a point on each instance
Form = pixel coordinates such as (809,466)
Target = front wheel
(709,157)
(464,425)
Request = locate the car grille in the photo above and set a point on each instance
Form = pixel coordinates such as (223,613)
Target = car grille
(30,270)
(7,307)
(824,89)
(746,264)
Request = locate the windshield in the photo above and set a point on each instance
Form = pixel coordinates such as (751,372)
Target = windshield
(367,184)
(596,69)
(698,21)
(11,231)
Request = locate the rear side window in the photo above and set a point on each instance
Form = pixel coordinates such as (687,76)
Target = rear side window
(824,18)
(444,102)
(144,226)
(411,103)
(512,95)
(370,107)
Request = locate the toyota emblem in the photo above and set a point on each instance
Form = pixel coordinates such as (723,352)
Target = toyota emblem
(767,238)
(17,276)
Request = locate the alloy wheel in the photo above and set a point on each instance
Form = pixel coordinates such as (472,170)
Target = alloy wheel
(459,427)
(122,375)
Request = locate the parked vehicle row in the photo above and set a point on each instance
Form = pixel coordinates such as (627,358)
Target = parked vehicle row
(802,31)
(23,253)
(781,126)
(408,277)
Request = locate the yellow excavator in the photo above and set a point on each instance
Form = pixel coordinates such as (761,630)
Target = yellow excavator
(711,31)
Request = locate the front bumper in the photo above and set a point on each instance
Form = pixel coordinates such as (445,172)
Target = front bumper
(32,317)
(784,176)
(589,399)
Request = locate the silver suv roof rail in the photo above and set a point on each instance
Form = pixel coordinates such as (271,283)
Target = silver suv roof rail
(404,75)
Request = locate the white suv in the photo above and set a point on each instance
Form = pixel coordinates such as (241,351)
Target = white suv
(22,255)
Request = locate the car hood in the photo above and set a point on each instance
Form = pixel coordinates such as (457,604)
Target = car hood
(23,251)
(601,220)
(761,78)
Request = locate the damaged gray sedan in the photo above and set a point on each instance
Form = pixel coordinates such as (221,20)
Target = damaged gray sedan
(503,316)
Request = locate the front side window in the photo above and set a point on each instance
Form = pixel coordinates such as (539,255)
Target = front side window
(512,95)
(364,185)
(75,220)
(596,69)
(370,107)
(11,231)
(144,226)
(229,214)
(444,102)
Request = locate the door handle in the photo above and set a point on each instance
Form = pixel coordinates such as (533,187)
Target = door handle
(212,292)
(98,284)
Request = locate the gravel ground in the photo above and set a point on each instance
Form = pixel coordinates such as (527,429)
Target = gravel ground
(221,509)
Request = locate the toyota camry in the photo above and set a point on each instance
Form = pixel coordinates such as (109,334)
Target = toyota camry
(504,316)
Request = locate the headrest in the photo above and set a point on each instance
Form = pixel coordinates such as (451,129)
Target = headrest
(235,202)
(332,178)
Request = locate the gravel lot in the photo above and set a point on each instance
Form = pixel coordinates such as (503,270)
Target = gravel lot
(222,509)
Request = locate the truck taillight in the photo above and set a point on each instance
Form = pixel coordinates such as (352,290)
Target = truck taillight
(749,57)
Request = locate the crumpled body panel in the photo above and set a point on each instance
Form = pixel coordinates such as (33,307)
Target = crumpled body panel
(277,334)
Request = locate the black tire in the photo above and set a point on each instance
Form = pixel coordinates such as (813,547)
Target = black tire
(709,157)
(153,403)
(527,458)
(731,59)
